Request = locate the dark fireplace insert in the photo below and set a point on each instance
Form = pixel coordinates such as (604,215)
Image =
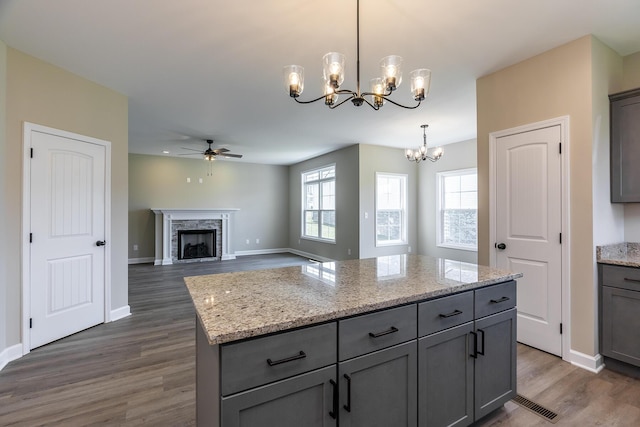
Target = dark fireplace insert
(196,244)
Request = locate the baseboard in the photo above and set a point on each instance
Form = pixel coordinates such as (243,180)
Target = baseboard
(310,256)
(146,260)
(10,354)
(593,364)
(262,252)
(120,313)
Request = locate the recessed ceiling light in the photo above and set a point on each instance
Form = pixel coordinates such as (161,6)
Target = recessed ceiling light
(165,152)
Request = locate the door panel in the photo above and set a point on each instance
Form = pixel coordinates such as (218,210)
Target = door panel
(67,219)
(529,222)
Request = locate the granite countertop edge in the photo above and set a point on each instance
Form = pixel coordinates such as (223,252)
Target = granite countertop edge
(625,254)
(269,327)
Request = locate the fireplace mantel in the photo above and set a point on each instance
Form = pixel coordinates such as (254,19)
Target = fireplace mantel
(164,217)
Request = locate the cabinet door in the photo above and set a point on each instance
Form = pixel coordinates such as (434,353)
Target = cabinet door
(620,324)
(380,389)
(445,378)
(625,146)
(495,365)
(304,400)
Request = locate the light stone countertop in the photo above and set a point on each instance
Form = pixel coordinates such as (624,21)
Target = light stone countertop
(627,254)
(234,306)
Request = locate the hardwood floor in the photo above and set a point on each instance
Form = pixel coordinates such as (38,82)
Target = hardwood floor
(141,370)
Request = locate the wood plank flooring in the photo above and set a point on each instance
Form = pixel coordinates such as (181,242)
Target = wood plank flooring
(141,370)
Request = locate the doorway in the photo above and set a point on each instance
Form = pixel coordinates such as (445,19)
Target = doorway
(66,205)
(529,226)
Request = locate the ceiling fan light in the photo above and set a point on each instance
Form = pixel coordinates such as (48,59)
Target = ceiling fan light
(420,83)
(293,80)
(392,71)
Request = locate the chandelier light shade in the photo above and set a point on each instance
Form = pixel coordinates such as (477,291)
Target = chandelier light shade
(422,152)
(333,71)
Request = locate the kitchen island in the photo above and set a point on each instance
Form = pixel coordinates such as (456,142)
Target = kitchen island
(397,340)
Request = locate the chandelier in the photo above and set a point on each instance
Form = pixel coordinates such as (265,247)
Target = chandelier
(421,153)
(380,88)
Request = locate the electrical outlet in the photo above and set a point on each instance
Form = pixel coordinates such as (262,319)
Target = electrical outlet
(366,215)
(409,249)
(200,180)
(299,241)
(135,247)
(188,180)
(247,241)
(257,241)
(348,251)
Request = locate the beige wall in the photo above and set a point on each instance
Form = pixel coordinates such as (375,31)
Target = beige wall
(259,191)
(553,84)
(4,209)
(41,93)
(374,159)
(347,205)
(461,155)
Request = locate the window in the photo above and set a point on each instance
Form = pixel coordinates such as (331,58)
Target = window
(319,204)
(457,216)
(391,209)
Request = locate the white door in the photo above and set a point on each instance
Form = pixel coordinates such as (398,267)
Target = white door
(67,219)
(528,215)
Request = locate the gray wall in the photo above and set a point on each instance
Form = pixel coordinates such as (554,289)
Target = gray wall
(391,160)
(259,191)
(347,206)
(461,155)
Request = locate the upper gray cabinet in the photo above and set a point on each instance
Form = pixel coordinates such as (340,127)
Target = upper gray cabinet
(625,146)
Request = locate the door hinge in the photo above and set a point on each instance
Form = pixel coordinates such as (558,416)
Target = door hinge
(30,237)
(30,322)
(560,147)
(560,328)
(560,238)
(32,153)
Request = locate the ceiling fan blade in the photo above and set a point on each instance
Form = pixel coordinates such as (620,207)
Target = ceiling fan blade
(237,156)
(220,150)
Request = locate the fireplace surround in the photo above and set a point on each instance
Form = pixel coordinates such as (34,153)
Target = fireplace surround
(170,221)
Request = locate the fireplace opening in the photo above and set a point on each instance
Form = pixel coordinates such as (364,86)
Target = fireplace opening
(196,244)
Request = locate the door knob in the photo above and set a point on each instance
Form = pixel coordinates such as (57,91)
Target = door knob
(501,246)
(101,243)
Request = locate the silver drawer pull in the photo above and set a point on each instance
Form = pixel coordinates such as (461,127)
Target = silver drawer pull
(301,355)
(453,313)
(631,280)
(387,332)
(497,301)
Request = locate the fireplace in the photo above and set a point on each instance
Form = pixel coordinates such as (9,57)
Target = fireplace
(194,244)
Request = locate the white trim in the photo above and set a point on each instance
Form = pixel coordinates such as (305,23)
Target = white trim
(439,176)
(10,354)
(593,364)
(262,251)
(27,130)
(303,208)
(120,313)
(564,122)
(311,256)
(146,260)
(404,179)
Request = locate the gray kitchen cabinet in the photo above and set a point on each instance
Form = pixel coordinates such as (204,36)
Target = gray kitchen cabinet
(445,369)
(466,370)
(304,400)
(625,146)
(619,308)
(495,364)
(380,389)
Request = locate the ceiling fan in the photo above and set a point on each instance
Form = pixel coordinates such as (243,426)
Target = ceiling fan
(211,154)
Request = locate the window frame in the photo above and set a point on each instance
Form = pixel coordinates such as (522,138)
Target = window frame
(439,207)
(404,212)
(303,206)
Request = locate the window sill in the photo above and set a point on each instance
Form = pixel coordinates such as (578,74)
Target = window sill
(318,239)
(460,248)
(383,244)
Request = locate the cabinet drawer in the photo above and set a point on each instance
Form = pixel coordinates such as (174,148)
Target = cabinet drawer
(370,332)
(494,299)
(621,277)
(443,313)
(260,361)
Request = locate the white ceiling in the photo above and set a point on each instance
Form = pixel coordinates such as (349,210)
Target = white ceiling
(213,68)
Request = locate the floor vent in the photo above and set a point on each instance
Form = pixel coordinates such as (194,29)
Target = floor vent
(545,413)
